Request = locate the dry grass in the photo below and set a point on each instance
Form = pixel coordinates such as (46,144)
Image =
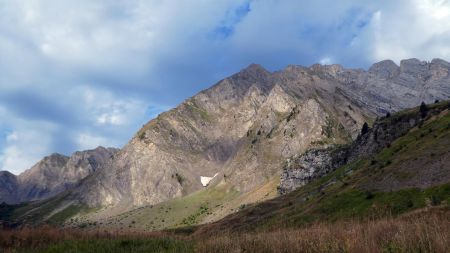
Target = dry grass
(413,234)
(12,240)
(419,232)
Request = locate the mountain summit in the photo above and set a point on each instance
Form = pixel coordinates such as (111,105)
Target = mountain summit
(246,125)
(239,133)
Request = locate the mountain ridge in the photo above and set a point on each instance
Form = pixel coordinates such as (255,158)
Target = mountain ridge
(315,87)
(54,174)
(245,126)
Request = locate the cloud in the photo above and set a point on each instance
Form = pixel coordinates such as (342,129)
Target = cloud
(75,75)
(33,142)
(326,61)
(419,30)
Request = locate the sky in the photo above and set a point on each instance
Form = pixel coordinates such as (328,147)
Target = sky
(78,74)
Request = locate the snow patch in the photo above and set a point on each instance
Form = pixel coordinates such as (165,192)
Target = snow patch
(205,180)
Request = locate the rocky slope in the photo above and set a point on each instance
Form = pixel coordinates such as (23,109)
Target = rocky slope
(317,163)
(400,165)
(246,125)
(242,128)
(52,175)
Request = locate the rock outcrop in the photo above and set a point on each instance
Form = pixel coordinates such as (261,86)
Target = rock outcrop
(316,163)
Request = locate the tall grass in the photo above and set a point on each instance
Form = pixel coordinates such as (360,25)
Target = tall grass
(421,232)
(418,234)
(51,239)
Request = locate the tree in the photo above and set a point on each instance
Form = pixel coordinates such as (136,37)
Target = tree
(388,115)
(423,110)
(365,128)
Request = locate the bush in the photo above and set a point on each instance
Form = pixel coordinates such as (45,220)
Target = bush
(365,128)
(423,110)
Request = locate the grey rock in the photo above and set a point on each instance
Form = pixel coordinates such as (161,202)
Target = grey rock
(8,186)
(316,163)
(385,69)
(52,175)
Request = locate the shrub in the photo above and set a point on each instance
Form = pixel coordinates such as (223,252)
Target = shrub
(423,110)
(365,128)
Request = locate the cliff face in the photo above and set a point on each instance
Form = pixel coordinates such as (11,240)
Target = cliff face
(245,126)
(304,168)
(52,175)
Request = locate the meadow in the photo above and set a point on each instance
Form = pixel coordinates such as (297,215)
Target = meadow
(426,230)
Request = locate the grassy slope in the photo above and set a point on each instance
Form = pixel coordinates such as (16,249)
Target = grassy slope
(117,246)
(53,211)
(353,191)
(203,206)
(418,232)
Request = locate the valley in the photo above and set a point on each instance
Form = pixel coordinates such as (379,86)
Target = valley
(282,153)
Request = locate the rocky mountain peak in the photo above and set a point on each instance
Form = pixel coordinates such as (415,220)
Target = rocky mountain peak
(255,69)
(233,89)
(53,161)
(438,61)
(327,70)
(56,157)
(53,174)
(5,173)
(6,176)
(294,68)
(439,69)
(385,69)
(252,73)
(8,184)
(415,67)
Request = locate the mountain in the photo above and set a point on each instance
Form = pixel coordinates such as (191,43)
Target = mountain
(399,165)
(8,186)
(52,175)
(246,125)
(243,129)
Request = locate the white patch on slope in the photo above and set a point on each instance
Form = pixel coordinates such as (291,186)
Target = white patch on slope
(205,180)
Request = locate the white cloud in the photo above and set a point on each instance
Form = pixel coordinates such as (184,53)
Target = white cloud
(78,74)
(105,108)
(12,137)
(407,29)
(326,61)
(23,148)
(87,141)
